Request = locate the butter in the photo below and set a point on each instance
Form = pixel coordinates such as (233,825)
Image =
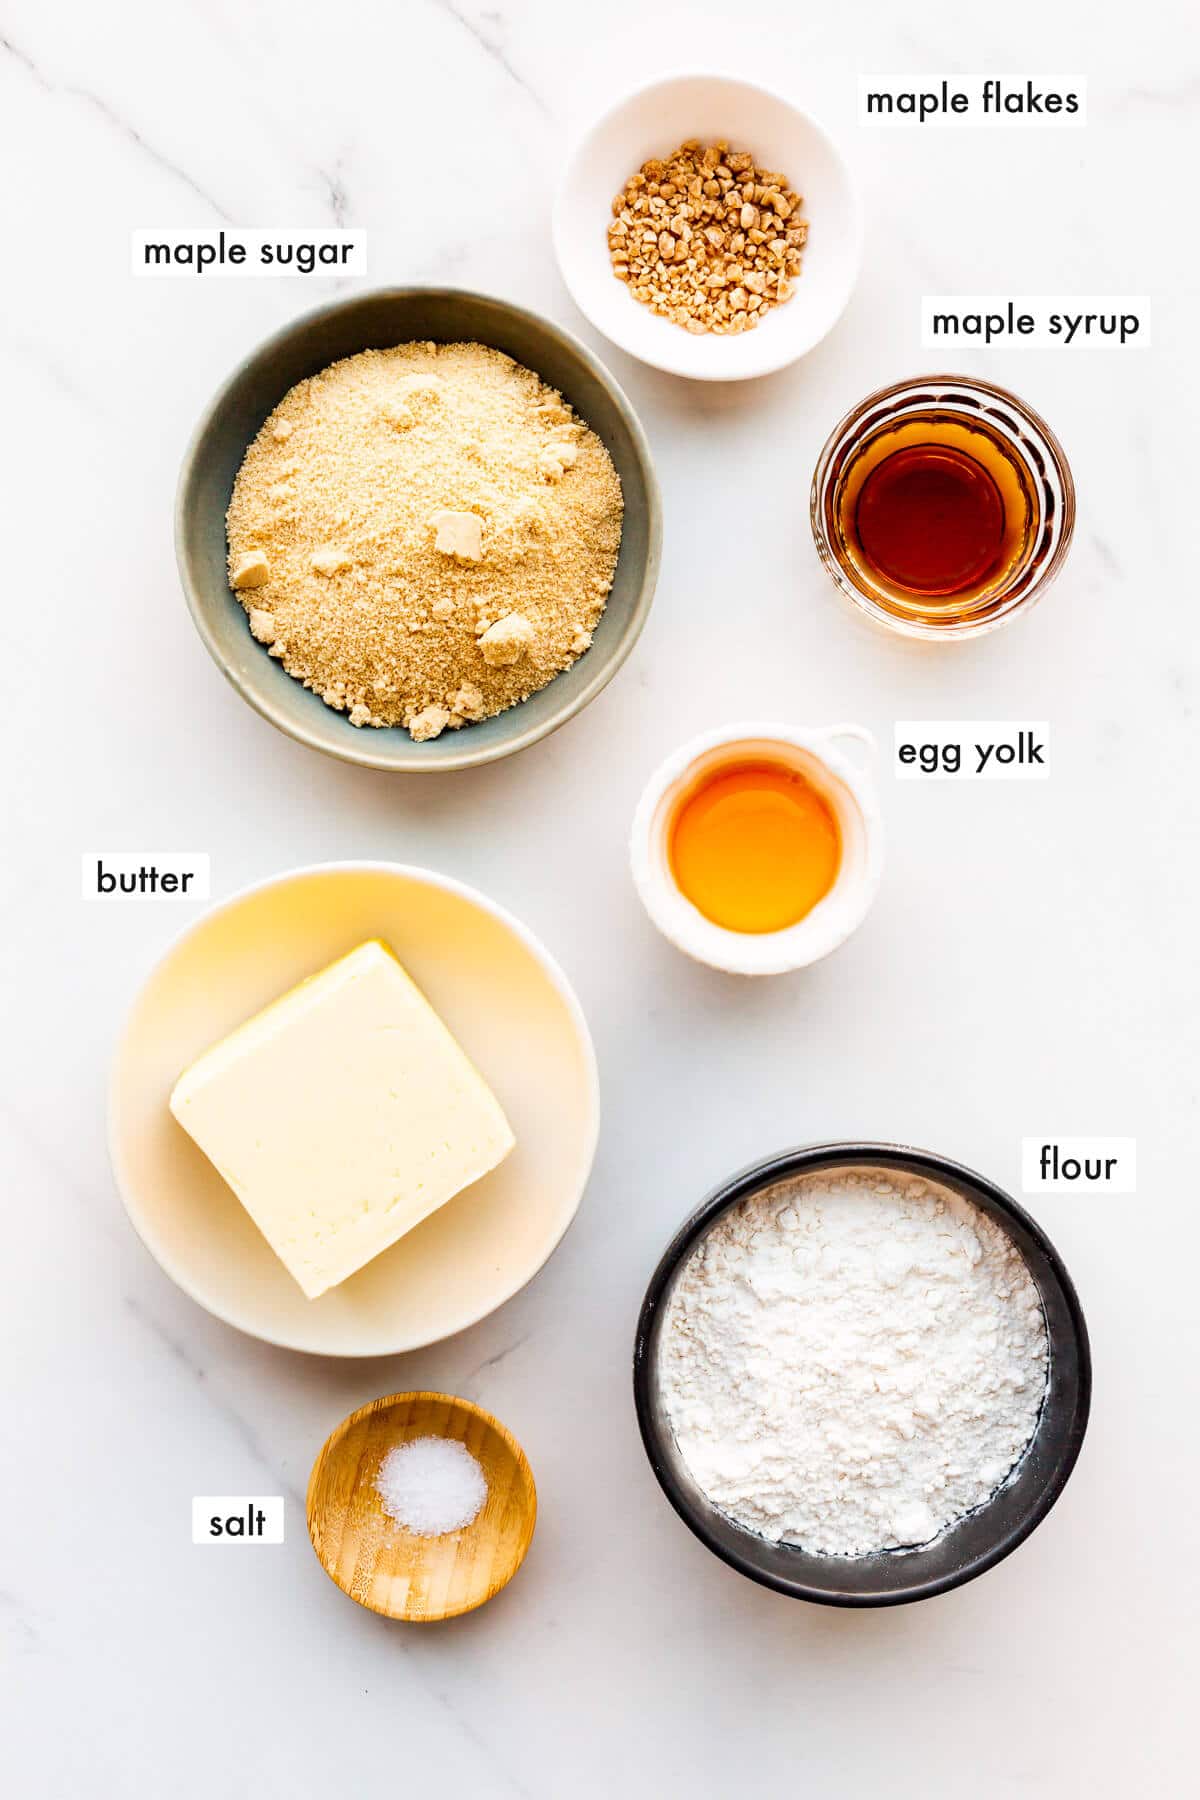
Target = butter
(342,1115)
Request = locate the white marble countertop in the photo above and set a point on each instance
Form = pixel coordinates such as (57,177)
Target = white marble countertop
(1030,964)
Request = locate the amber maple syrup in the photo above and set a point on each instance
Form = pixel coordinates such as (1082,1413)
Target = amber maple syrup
(935,516)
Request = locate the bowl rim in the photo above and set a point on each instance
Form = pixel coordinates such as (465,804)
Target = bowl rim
(855,222)
(804,1159)
(352,751)
(454,1400)
(162,1255)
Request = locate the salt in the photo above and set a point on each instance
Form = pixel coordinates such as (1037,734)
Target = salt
(431,1486)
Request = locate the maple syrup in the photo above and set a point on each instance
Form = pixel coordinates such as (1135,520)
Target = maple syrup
(935,515)
(942,506)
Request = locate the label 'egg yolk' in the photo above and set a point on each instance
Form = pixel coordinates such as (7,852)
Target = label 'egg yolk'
(754,847)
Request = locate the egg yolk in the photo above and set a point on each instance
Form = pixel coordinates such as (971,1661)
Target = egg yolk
(754,847)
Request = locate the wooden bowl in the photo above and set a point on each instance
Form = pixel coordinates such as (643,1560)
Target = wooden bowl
(394,1571)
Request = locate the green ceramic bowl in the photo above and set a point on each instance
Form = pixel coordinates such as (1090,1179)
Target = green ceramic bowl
(375,321)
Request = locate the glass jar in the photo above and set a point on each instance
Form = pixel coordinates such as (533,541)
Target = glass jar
(1009,461)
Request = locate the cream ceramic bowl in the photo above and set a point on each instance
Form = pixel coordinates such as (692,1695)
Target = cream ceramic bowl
(846,787)
(656,120)
(510,1007)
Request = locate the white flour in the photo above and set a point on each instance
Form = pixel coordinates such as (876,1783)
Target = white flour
(851,1361)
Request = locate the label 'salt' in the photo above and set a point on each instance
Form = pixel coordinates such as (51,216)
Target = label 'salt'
(237,1519)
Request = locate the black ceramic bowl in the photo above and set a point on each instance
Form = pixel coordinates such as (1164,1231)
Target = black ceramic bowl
(984,1536)
(377,320)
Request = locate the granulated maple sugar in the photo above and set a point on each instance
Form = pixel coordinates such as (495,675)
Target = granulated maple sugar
(424,535)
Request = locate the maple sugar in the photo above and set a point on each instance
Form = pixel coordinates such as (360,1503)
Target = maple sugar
(424,535)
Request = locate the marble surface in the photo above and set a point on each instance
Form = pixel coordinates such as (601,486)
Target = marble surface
(1030,964)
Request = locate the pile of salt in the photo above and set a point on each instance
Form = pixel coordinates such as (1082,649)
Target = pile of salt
(431,1486)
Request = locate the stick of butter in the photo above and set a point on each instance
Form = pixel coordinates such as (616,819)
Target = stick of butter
(342,1115)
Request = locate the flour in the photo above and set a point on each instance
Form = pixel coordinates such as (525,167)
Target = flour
(852,1360)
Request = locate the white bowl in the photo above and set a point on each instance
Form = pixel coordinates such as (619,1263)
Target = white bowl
(845,787)
(505,1000)
(653,122)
